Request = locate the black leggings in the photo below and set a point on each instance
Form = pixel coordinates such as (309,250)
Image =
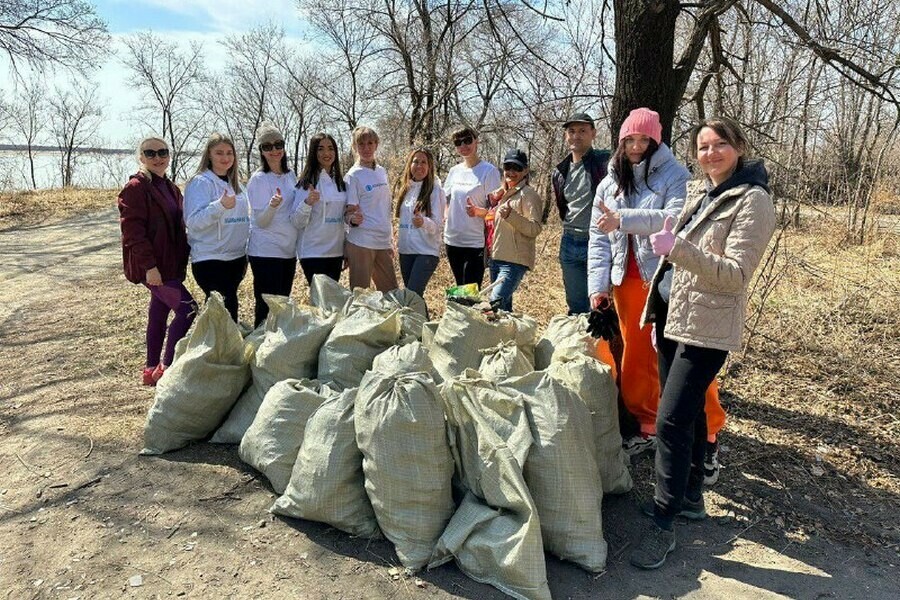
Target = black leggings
(223,276)
(467,264)
(330,266)
(685,372)
(270,276)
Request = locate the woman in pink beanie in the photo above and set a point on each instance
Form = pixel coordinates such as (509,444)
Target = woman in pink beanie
(645,184)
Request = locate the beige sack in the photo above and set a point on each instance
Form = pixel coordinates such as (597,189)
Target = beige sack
(199,388)
(289,350)
(401,432)
(273,440)
(327,482)
(561,471)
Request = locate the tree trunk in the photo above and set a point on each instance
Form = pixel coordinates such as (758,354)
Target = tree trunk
(645,73)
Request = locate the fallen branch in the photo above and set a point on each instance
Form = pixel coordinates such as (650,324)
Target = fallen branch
(91,449)
(743,531)
(29,467)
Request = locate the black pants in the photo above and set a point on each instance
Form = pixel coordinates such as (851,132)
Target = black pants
(685,372)
(223,276)
(330,266)
(467,264)
(270,276)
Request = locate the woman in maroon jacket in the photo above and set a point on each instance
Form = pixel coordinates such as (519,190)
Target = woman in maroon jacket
(155,252)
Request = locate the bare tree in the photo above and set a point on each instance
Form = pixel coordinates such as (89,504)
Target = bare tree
(74,120)
(27,116)
(66,33)
(173,77)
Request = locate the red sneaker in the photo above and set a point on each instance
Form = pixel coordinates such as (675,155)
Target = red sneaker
(158,372)
(147,376)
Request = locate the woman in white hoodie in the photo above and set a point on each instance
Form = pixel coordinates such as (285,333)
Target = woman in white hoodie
(217,216)
(420,212)
(319,202)
(273,238)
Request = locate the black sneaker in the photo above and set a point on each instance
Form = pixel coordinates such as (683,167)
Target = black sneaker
(639,444)
(653,547)
(711,463)
(692,510)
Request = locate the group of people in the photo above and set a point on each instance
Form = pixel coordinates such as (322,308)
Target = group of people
(675,267)
(325,218)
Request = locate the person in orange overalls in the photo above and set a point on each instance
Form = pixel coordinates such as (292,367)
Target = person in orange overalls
(644,185)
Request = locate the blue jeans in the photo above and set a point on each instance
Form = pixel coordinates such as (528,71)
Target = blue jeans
(512,274)
(573,251)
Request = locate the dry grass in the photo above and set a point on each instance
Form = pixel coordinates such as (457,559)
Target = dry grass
(26,208)
(814,412)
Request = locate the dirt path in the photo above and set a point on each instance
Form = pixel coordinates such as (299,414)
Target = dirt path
(82,516)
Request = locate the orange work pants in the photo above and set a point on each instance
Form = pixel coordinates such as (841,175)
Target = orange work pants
(638,377)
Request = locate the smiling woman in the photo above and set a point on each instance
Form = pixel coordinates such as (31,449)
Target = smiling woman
(155,252)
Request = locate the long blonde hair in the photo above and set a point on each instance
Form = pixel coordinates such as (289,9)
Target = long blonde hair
(214,140)
(142,168)
(423,202)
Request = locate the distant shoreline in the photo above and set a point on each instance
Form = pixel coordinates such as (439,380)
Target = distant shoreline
(88,150)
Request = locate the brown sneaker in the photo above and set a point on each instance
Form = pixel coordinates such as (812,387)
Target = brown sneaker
(652,549)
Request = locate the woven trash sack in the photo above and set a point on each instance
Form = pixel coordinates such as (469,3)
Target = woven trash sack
(561,471)
(401,433)
(201,386)
(495,534)
(591,380)
(289,350)
(327,482)
(273,440)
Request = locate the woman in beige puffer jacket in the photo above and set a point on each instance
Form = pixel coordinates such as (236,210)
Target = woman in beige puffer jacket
(697,301)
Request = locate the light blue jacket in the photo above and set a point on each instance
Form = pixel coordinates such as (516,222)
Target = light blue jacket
(642,214)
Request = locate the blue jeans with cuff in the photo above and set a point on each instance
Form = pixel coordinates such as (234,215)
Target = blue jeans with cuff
(512,274)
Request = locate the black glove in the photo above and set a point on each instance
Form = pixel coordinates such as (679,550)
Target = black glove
(603,322)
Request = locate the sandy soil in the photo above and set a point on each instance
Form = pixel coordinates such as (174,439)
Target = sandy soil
(83,516)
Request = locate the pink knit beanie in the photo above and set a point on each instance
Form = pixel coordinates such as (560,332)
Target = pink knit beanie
(642,121)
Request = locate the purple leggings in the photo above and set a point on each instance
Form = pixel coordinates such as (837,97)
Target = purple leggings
(171,296)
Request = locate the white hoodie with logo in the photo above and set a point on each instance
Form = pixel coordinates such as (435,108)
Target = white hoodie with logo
(213,231)
(272,234)
(321,225)
(427,238)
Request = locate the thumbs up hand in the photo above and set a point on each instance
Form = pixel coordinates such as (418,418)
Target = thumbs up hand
(609,221)
(474,211)
(313,196)
(276,200)
(228,200)
(663,241)
(417,219)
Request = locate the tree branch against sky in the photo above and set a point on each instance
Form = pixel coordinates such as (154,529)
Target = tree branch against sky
(54,33)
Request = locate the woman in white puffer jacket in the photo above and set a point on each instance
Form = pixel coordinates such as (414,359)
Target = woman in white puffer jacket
(645,184)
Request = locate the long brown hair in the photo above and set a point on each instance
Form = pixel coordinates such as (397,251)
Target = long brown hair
(623,172)
(310,174)
(423,202)
(206,159)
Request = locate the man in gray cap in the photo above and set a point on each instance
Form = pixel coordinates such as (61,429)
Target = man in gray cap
(574,181)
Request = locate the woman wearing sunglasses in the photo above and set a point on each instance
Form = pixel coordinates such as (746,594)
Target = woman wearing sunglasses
(319,203)
(515,222)
(218,222)
(273,238)
(467,184)
(155,252)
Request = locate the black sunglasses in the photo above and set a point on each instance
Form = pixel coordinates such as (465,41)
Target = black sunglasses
(162,153)
(513,167)
(270,147)
(465,141)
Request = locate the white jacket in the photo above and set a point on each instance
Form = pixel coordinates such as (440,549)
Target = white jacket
(321,226)
(642,214)
(271,232)
(213,231)
(427,238)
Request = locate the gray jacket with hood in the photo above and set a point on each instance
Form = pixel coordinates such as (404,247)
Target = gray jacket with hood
(642,213)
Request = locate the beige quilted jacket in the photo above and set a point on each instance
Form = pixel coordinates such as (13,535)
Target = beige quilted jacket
(714,259)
